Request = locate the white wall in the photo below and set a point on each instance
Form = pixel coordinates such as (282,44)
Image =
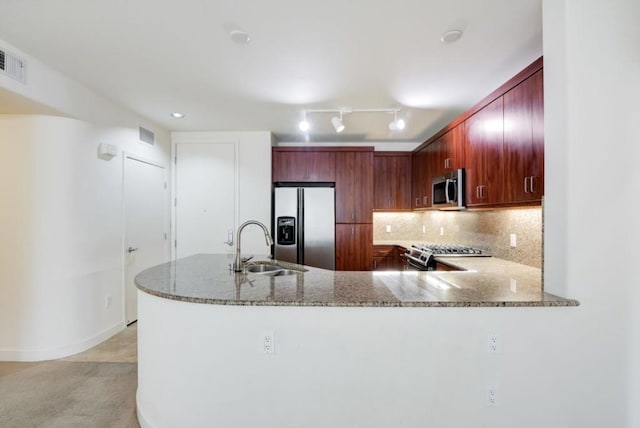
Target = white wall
(61,250)
(253,165)
(54,90)
(559,367)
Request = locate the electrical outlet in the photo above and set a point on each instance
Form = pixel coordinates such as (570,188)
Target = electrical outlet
(494,343)
(388,228)
(268,344)
(441,230)
(424,229)
(492,396)
(512,240)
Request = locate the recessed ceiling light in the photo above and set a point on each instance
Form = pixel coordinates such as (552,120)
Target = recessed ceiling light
(177,115)
(240,37)
(451,36)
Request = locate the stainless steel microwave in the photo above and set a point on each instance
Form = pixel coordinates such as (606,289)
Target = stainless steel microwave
(448,191)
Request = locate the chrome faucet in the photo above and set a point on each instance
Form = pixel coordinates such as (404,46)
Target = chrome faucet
(238,264)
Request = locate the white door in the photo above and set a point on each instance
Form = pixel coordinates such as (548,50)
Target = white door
(205,198)
(145,233)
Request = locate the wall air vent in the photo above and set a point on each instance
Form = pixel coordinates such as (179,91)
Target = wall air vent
(147,136)
(13,66)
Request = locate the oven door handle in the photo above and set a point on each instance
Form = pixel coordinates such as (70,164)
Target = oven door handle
(410,257)
(418,263)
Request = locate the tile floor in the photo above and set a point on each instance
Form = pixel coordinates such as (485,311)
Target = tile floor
(121,348)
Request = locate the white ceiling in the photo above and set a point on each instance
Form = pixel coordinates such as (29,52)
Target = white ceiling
(156,57)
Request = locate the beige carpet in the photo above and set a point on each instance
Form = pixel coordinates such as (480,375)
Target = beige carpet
(94,389)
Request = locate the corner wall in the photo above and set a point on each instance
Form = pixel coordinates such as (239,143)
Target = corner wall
(61,234)
(61,250)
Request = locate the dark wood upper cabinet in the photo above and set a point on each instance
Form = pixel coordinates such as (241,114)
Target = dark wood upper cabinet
(455,142)
(354,187)
(485,155)
(524,141)
(421,175)
(303,166)
(500,143)
(537,154)
(391,181)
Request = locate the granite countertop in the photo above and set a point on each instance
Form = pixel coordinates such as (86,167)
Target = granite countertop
(486,281)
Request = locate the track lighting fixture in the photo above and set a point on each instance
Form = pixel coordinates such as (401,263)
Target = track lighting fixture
(396,124)
(304,125)
(338,125)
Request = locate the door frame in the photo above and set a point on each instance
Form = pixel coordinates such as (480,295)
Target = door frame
(167,219)
(202,138)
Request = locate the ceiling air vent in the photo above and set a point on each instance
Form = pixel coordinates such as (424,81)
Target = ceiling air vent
(147,136)
(13,66)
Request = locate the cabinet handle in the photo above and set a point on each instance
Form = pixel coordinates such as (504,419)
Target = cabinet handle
(375,264)
(353,231)
(480,193)
(417,203)
(425,200)
(526,188)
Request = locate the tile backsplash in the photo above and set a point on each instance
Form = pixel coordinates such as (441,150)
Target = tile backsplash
(487,230)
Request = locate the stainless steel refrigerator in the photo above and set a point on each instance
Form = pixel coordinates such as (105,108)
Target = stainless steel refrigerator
(304,225)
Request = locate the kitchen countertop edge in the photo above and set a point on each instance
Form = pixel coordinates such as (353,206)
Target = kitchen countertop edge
(376,304)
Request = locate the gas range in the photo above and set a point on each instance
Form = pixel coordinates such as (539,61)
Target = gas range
(420,256)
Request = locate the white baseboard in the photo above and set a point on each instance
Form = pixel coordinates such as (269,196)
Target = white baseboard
(61,351)
(144,423)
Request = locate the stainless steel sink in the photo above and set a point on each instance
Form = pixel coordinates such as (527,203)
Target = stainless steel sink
(263,268)
(270,270)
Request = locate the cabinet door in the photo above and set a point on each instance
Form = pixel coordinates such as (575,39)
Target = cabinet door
(382,190)
(455,141)
(401,182)
(416,180)
(536,163)
(421,172)
(522,145)
(354,246)
(484,155)
(303,166)
(354,187)
(392,182)
(438,156)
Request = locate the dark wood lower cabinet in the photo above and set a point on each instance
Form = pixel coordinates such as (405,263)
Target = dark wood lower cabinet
(354,246)
(388,257)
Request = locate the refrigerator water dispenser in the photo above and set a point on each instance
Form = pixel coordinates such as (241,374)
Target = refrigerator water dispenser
(286,231)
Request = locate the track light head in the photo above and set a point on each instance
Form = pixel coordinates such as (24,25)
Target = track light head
(396,124)
(337,123)
(304,125)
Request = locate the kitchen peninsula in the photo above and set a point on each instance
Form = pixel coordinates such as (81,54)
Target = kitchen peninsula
(202,331)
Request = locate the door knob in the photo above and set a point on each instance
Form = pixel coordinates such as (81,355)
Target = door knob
(131,250)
